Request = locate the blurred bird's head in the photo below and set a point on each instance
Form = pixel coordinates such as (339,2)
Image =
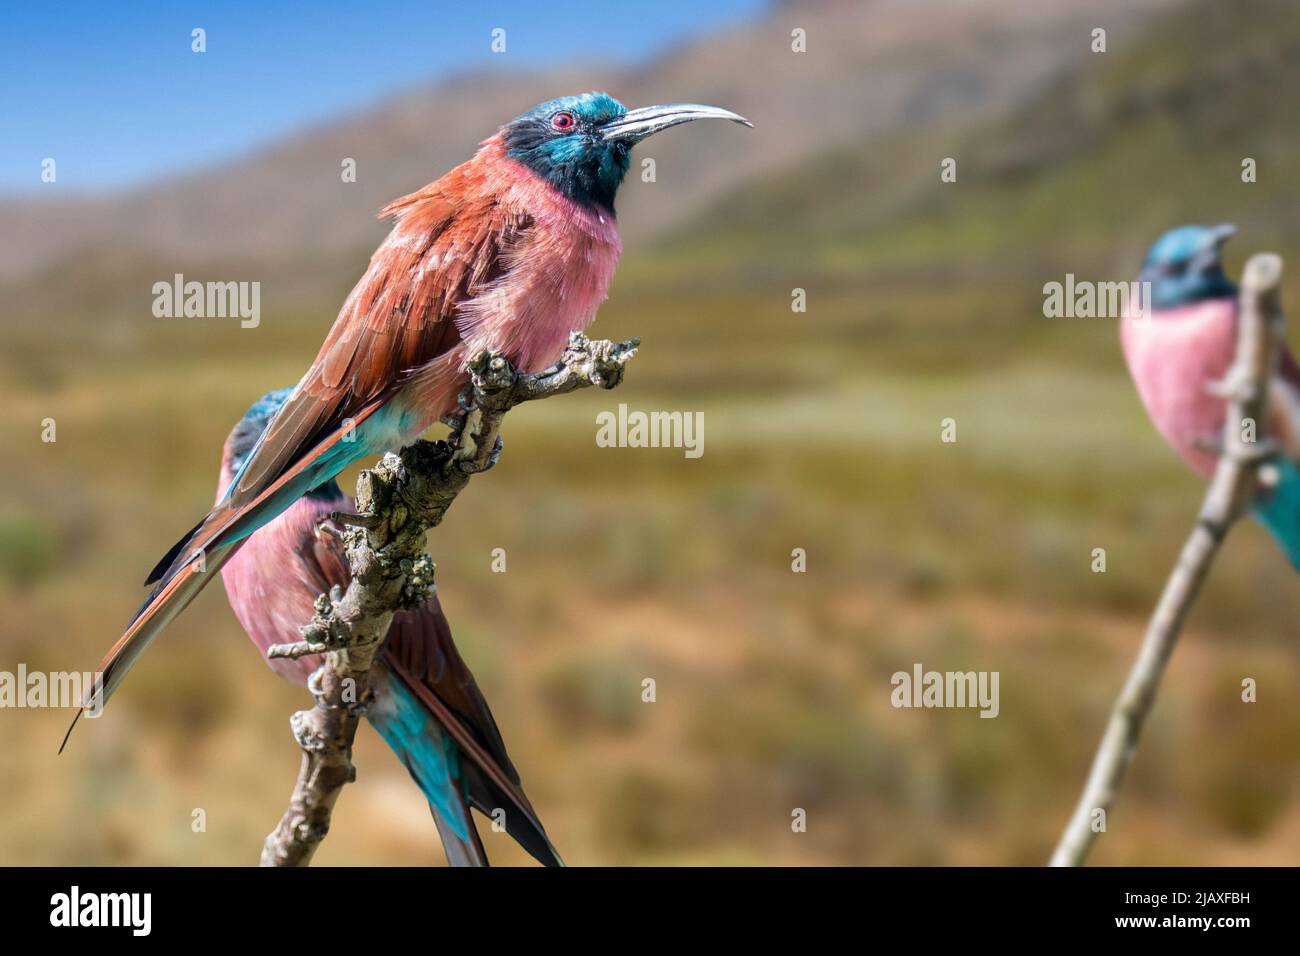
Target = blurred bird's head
(1184,266)
(243,439)
(582,144)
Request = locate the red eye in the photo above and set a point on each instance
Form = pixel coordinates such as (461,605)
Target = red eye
(564,120)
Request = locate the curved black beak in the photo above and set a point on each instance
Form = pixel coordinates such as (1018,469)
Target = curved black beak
(636,125)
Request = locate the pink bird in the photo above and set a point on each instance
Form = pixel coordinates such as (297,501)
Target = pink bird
(426,704)
(510,252)
(1187,342)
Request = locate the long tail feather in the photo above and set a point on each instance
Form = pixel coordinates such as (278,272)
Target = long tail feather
(168,600)
(433,761)
(1279,510)
(217,537)
(489,786)
(461,852)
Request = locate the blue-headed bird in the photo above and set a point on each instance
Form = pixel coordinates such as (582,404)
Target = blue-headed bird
(510,252)
(1184,341)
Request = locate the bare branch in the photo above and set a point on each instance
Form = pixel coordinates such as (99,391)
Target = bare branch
(1241,469)
(397,501)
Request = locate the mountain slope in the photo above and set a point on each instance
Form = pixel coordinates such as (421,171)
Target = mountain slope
(905,271)
(1083,177)
(870,67)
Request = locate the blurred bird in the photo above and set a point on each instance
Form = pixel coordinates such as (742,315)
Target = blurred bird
(1188,341)
(510,252)
(425,703)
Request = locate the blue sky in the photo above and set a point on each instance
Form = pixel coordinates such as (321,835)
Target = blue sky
(114,93)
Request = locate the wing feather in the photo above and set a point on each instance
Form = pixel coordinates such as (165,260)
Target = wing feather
(448,242)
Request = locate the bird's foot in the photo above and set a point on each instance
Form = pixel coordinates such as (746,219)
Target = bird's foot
(455,420)
(477,468)
(465,400)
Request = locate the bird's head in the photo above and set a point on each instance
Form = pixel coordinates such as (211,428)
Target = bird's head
(1185,266)
(582,144)
(243,438)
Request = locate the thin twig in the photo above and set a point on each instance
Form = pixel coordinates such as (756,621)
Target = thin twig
(397,502)
(1231,489)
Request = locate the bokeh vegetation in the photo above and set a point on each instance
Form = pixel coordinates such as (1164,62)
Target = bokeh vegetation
(822,432)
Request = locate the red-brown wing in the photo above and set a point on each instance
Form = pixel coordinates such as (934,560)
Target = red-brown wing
(448,242)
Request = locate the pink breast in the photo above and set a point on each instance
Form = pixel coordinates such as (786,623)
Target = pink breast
(555,278)
(269,595)
(1172,356)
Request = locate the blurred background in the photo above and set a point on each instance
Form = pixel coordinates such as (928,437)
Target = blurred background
(924,301)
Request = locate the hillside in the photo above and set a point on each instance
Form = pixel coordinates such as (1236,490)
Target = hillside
(822,434)
(871,67)
(1081,179)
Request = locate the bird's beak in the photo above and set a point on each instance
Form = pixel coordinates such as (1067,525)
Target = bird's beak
(1222,233)
(1207,258)
(636,125)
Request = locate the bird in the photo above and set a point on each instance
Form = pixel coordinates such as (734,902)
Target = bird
(1182,342)
(509,252)
(424,700)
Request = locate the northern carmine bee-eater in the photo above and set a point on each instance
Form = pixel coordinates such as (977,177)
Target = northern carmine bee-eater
(1188,341)
(510,252)
(425,702)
